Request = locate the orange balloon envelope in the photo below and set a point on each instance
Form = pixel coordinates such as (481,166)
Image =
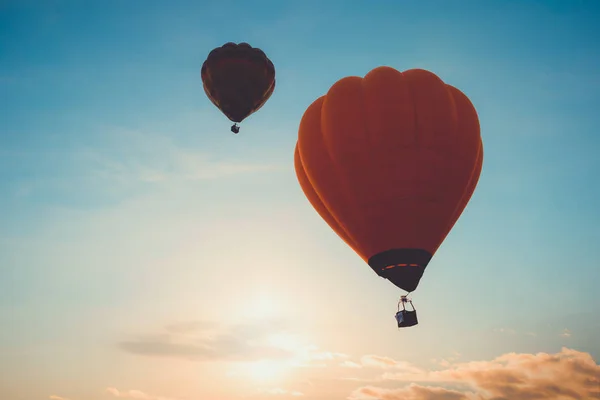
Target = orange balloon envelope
(238,79)
(390,161)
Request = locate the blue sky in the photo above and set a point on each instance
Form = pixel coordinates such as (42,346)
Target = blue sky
(127,205)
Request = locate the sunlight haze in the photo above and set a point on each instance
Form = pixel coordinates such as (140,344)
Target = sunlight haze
(148,253)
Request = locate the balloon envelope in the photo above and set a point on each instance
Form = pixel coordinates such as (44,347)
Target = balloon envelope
(390,161)
(238,79)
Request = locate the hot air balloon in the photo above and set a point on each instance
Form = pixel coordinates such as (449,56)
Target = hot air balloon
(238,79)
(390,161)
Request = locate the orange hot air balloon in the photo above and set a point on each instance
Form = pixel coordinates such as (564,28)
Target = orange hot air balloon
(238,79)
(390,161)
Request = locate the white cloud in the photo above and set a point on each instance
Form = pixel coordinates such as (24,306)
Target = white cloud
(350,364)
(134,394)
(567,375)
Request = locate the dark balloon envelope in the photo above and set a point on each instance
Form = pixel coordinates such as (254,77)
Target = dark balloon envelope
(238,79)
(390,161)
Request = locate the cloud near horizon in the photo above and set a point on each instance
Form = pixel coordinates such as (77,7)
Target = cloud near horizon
(566,375)
(388,363)
(255,340)
(203,341)
(282,392)
(134,394)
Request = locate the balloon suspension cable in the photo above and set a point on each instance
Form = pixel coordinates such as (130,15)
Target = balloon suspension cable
(403,300)
(235,128)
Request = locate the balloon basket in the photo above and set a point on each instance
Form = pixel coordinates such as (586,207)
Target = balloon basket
(235,128)
(406,318)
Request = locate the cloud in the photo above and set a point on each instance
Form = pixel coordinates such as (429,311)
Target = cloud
(380,362)
(328,355)
(134,394)
(566,333)
(132,156)
(388,363)
(242,342)
(311,356)
(122,163)
(350,364)
(507,331)
(447,361)
(411,392)
(567,375)
(282,392)
(54,397)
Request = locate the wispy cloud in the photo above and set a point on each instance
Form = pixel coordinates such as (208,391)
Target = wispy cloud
(134,394)
(282,392)
(133,156)
(123,162)
(350,364)
(243,342)
(411,392)
(507,331)
(569,374)
(380,362)
(312,356)
(447,361)
(388,363)
(566,333)
(54,397)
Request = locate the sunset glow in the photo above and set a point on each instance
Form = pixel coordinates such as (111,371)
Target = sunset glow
(266,370)
(148,252)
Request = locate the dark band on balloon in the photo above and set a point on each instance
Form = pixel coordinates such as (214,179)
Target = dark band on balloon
(403,267)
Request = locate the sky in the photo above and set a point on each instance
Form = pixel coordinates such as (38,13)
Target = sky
(148,253)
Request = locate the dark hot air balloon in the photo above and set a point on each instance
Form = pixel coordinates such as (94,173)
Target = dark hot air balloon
(238,79)
(390,161)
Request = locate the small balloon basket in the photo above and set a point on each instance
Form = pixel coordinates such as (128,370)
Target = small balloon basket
(235,128)
(404,317)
